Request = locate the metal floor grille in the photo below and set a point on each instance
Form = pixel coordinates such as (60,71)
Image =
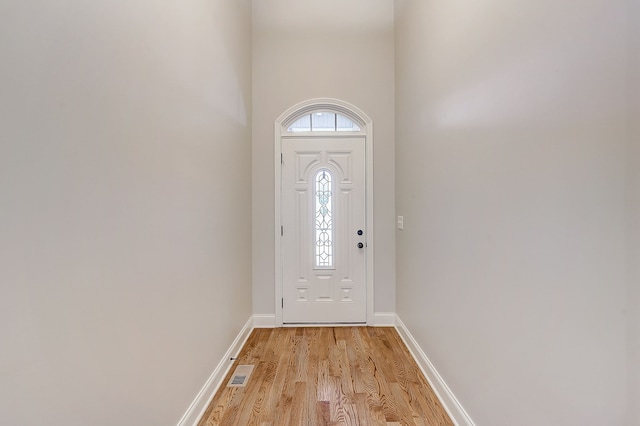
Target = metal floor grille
(240,376)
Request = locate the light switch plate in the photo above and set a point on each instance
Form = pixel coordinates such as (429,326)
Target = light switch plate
(400,222)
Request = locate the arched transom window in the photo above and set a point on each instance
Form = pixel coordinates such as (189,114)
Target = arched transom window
(323,121)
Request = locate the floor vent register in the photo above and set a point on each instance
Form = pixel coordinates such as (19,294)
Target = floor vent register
(240,376)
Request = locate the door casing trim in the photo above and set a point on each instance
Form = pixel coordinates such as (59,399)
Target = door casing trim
(366,124)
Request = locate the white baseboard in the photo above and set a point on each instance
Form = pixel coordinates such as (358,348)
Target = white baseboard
(264,321)
(446,397)
(384,319)
(200,404)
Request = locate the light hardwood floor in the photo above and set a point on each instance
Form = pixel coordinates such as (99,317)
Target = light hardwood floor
(327,376)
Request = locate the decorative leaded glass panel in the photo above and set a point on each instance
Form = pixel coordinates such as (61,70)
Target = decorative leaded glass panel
(323,219)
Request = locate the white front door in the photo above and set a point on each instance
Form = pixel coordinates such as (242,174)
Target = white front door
(323,230)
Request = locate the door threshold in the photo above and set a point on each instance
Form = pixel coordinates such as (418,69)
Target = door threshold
(324,324)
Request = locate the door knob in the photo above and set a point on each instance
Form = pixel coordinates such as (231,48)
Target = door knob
(360,245)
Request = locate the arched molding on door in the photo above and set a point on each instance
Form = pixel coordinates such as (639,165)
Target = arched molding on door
(364,127)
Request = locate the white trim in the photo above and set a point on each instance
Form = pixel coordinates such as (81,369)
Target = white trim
(206,394)
(280,132)
(442,391)
(264,321)
(384,319)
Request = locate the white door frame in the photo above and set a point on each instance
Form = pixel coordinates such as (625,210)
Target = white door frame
(366,126)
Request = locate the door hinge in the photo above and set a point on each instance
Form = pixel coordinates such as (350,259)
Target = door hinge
(281,231)
(282,159)
(282,300)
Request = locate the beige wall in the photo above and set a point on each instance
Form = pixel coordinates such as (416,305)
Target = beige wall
(330,49)
(510,160)
(124,206)
(125,198)
(634,215)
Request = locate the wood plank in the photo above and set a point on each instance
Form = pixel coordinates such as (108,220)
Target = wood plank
(323,376)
